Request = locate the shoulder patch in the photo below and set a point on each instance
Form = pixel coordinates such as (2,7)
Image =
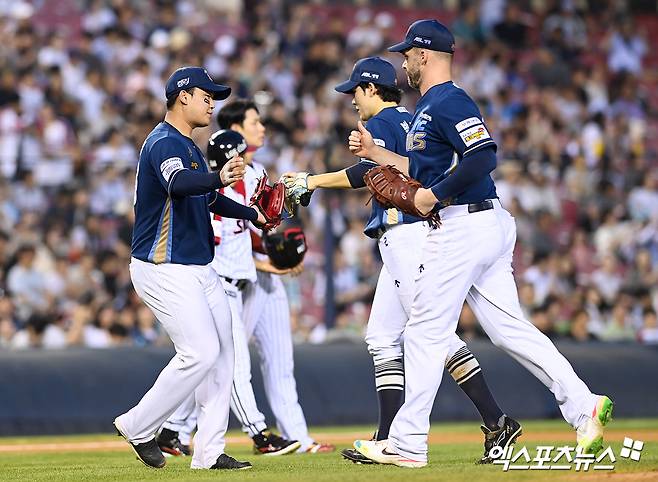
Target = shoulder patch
(474,134)
(379,142)
(471,121)
(169,166)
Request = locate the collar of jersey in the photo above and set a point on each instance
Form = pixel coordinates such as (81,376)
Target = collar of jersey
(442,84)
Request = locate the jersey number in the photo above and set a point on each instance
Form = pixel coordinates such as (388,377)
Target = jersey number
(242,226)
(416,141)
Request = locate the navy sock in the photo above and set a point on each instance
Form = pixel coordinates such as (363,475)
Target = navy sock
(389,380)
(465,369)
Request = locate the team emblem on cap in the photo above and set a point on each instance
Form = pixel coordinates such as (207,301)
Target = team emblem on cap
(370,75)
(425,41)
(183,82)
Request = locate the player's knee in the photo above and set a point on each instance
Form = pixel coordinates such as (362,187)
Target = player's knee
(202,360)
(381,353)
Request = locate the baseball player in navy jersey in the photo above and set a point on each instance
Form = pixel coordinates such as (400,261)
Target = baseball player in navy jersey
(259,306)
(172,249)
(234,263)
(469,257)
(376,96)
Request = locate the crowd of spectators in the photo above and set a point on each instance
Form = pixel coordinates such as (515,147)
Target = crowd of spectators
(562,86)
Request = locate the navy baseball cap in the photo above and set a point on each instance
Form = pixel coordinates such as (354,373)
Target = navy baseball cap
(371,69)
(188,77)
(427,34)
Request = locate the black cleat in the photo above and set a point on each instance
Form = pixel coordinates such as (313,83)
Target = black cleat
(269,444)
(355,456)
(147,453)
(227,462)
(503,438)
(170,444)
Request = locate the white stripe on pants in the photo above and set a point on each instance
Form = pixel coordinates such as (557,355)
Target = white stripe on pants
(470,256)
(267,317)
(243,401)
(192,307)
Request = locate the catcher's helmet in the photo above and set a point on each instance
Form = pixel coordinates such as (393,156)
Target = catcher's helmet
(286,249)
(223,146)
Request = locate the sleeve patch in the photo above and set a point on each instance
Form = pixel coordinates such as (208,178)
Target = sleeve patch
(474,134)
(471,121)
(379,142)
(169,166)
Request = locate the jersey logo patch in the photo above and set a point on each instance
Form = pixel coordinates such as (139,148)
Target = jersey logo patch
(169,166)
(471,121)
(474,134)
(379,142)
(195,165)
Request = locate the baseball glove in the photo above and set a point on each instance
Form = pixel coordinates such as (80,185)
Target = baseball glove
(297,192)
(269,201)
(286,249)
(393,189)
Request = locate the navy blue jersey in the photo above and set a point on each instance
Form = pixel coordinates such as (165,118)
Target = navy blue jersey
(169,229)
(389,129)
(446,127)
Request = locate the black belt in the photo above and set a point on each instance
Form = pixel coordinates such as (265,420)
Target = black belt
(238,283)
(481,206)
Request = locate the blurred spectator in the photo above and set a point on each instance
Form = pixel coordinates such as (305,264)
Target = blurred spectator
(626,48)
(467,27)
(26,285)
(512,30)
(618,326)
(579,328)
(649,332)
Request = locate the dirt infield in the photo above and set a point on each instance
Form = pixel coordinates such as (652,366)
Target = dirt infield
(612,435)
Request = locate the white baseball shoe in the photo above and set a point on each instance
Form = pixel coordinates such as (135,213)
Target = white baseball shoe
(376,450)
(590,434)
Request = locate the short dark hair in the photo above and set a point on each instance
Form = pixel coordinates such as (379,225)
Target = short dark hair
(172,100)
(385,92)
(234,112)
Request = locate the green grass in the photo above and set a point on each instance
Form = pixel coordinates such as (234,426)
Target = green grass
(450,462)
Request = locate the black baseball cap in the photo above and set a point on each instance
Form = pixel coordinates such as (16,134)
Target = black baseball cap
(427,34)
(371,69)
(188,77)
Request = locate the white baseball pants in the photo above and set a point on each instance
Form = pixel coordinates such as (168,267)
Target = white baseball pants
(400,248)
(192,307)
(470,257)
(267,319)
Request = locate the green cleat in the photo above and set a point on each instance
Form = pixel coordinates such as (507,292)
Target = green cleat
(590,434)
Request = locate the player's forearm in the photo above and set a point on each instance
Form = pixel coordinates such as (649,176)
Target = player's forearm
(190,183)
(228,208)
(384,157)
(335,180)
(472,168)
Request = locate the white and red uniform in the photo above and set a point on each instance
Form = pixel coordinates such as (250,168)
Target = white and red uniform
(267,320)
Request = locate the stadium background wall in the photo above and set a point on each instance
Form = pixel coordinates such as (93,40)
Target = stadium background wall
(81,390)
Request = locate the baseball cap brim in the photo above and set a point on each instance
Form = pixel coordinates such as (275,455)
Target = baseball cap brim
(346,87)
(401,47)
(218,91)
